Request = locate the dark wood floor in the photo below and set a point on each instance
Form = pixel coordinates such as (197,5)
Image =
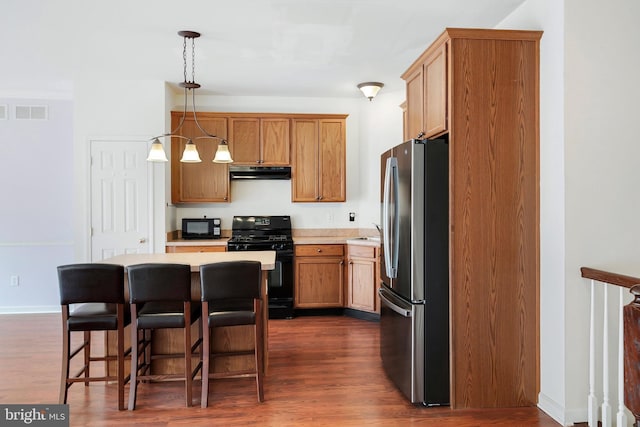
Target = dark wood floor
(324,371)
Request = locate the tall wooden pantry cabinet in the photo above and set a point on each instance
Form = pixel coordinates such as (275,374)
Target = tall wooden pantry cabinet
(481,87)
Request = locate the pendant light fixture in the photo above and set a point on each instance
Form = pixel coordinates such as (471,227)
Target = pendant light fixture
(370,89)
(190,154)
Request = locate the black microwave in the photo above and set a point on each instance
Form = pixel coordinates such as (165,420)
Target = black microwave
(201,228)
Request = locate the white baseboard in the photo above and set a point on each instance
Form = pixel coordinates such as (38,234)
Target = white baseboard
(30,309)
(559,413)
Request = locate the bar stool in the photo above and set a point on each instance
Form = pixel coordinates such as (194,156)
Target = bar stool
(99,288)
(160,298)
(231,296)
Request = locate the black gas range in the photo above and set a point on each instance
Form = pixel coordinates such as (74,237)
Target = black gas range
(264,233)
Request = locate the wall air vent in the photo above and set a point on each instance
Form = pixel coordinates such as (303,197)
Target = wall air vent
(32,112)
(4,112)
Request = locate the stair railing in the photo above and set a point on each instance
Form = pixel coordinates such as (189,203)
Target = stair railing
(627,377)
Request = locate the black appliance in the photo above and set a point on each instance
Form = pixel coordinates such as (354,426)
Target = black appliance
(260,172)
(414,293)
(264,233)
(201,228)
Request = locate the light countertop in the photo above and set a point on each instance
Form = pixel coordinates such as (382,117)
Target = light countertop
(300,237)
(198,242)
(196,259)
(336,240)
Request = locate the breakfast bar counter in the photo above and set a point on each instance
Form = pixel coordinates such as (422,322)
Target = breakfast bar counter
(224,339)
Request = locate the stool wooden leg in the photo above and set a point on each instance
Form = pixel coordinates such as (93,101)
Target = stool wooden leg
(133,382)
(65,356)
(120,358)
(188,380)
(259,347)
(87,356)
(146,337)
(205,350)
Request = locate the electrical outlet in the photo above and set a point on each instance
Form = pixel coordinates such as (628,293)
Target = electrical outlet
(352,216)
(15,281)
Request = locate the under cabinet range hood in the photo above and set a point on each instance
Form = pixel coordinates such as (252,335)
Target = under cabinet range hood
(260,172)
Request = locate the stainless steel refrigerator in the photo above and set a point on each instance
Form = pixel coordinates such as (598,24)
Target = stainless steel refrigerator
(414,291)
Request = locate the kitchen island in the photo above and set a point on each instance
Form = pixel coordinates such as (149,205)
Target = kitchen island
(224,339)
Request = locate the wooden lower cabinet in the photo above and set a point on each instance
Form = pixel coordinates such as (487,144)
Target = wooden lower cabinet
(180,249)
(363,276)
(319,276)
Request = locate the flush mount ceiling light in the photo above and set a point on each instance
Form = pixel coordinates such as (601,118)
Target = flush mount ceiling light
(370,89)
(190,154)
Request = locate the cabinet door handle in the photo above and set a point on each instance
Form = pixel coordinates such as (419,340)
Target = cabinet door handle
(142,240)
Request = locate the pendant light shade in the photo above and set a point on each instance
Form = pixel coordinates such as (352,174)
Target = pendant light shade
(222,154)
(370,89)
(190,154)
(156,153)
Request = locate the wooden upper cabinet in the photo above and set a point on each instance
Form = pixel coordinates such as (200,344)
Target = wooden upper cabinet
(259,141)
(319,160)
(426,86)
(332,160)
(435,92)
(304,183)
(244,140)
(313,144)
(415,104)
(275,141)
(199,182)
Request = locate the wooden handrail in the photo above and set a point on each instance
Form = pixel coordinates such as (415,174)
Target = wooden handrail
(607,277)
(628,356)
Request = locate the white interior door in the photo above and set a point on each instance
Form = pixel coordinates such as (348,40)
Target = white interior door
(120,221)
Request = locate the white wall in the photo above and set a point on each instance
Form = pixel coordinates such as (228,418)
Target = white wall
(36,178)
(372,127)
(118,110)
(601,161)
(589,176)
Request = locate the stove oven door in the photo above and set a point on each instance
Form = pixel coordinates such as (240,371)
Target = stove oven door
(280,286)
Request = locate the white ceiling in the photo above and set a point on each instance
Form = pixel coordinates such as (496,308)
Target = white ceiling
(247,47)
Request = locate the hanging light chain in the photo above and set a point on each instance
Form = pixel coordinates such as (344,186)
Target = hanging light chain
(193,60)
(184,58)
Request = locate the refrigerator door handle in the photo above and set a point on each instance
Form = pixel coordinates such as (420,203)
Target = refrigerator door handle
(392,302)
(390,221)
